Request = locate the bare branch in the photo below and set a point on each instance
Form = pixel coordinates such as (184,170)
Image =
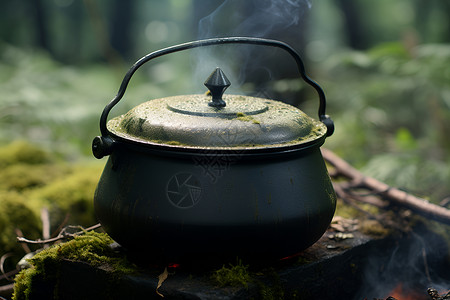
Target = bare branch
(394,195)
(64,234)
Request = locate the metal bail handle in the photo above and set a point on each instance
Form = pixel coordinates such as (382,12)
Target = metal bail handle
(103,145)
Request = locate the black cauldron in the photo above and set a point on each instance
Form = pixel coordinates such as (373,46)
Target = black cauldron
(214,174)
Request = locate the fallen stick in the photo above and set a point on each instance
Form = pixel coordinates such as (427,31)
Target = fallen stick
(345,189)
(399,197)
(61,236)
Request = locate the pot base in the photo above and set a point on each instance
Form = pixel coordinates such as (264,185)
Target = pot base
(198,244)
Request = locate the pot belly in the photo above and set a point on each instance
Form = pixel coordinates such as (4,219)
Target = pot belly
(214,205)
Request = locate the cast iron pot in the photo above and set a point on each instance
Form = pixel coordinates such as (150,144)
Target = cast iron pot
(214,174)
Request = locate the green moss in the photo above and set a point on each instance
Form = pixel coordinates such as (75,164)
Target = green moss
(23,176)
(92,248)
(270,292)
(173,143)
(29,181)
(373,228)
(303,260)
(14,213)
(273,290)
(366,226)
(346,211)
(23,283)
(233,275)
(72,194)
(246,118)
(21,152)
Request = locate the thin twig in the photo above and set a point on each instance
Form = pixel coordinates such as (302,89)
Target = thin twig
(61,236)
(341,193)
(369,198)
(350,200)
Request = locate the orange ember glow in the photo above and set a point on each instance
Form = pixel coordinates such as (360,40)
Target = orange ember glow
(400,293)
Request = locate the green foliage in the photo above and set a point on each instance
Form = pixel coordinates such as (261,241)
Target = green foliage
(233,275)
(404,141)
(92,248)
(391,107)
(59,106)
(48,103)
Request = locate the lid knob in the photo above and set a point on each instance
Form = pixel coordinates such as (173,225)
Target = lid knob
(217,83)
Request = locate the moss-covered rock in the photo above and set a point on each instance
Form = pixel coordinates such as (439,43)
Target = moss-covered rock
(22,152)
(72,194)
(92,248)
(30,179)
(21,176)
(14,213)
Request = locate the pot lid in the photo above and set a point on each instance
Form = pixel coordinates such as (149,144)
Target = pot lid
(213,120)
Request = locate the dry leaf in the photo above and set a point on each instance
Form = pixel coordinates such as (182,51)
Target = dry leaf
(341,224)
(337,227)
(161,278)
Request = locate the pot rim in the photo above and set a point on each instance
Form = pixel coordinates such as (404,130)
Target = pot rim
(151,147)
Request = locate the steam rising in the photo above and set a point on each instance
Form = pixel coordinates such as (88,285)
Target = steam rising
(257,18)
(254,18)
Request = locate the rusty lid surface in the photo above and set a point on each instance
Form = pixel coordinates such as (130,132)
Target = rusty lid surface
(245,122)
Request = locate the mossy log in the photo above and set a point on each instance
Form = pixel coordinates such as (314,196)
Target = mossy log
(91,248)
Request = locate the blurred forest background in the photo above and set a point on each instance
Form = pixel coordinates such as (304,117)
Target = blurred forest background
(384,66)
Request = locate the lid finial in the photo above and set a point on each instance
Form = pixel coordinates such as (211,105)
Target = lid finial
(217,83)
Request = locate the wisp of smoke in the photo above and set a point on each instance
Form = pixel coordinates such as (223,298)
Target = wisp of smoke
(255,18)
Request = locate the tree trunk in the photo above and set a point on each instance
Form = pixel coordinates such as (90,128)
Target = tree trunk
(120,27)
(354,26)
(38,15)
